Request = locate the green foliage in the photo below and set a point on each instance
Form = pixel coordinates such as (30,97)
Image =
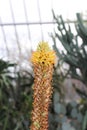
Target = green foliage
(15,97)
(56,97)
(74,113)
(84,126)
(66,115)
(76,54)
(59,108)
(67,126)
(58,79)
(60,111)
(5,78)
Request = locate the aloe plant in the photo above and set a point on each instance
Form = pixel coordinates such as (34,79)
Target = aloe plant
(43,60)
(15,97)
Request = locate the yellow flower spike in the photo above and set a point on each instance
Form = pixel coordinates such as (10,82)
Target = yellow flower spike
(43,60)
(43,55)
(43,46)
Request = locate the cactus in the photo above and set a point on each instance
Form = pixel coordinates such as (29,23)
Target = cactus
(67,126)
(59,108)
(43,60)
(76,55)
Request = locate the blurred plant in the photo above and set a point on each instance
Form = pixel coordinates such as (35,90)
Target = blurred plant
(59,77)
(5,79)
(74,53)
(43,60)
(15,97)
(84,126)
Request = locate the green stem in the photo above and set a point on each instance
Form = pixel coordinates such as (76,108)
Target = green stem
(6,121)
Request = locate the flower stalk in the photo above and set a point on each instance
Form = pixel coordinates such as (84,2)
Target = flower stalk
(43,60)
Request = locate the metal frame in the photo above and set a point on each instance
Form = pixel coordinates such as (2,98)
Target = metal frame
(27,23)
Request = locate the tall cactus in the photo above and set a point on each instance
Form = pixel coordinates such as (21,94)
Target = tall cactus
(43,60)
(76,54)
